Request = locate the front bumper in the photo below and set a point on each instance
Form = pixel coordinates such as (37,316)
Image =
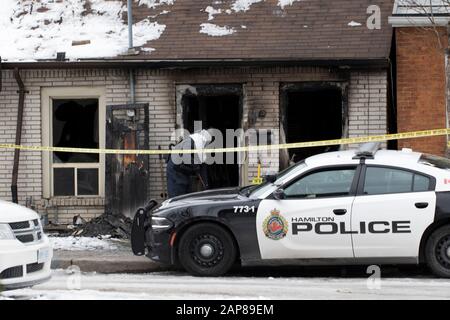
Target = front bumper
(159,248)
(19,265)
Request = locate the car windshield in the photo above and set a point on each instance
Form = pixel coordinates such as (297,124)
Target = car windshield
(435,161)
(256,191)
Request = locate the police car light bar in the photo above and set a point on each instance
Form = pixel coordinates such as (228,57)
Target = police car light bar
(367,150)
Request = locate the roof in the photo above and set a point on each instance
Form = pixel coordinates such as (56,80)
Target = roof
(170,30)
(418,13)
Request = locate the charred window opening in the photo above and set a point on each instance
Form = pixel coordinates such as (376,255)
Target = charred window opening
(75,124)
(218,107)
(312,112)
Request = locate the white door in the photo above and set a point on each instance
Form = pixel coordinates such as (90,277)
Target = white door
(393,212)
(313,220)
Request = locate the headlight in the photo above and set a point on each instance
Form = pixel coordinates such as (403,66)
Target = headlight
(160,223)
(6,232)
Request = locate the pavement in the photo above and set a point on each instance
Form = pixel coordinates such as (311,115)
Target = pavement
(119,259)
(244,284)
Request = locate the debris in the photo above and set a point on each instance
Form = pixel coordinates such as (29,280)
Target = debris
(78,220)
(117,226)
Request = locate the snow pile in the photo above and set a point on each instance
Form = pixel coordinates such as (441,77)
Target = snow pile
(80,28)
(215,30)
(354,24)
(81,243)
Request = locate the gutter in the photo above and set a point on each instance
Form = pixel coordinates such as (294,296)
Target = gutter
(199,63)
(15,172)
(402,21)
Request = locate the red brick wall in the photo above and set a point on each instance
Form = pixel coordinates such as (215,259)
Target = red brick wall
(421,87)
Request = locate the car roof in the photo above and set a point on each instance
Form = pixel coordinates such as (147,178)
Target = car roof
(389,157)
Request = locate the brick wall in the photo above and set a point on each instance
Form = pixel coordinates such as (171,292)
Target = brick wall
(367,115)
(421,86)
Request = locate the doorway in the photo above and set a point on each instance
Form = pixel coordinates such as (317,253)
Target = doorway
(218,107)
(312,112)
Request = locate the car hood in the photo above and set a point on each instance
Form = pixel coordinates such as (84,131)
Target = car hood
(209,196)
(11,212)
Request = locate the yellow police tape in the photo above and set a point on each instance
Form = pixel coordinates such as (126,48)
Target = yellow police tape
(345,141)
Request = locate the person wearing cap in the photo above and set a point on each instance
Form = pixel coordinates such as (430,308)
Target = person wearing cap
(181,167)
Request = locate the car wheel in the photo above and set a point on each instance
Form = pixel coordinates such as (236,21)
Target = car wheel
(207,249)
(437,252)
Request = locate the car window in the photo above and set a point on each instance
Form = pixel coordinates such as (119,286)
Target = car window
(435,161)
(266,186)
(326,183)
(389,180)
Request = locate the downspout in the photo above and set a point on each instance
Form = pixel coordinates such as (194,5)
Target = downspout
(131,50)
(15,171)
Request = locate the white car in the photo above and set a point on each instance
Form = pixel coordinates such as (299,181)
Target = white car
(25,251)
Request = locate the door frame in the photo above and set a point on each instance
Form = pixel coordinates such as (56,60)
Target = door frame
(214,89)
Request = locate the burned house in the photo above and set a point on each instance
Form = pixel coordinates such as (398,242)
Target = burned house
(298,70)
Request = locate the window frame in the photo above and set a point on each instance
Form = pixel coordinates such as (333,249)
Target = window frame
(362,180)
(353,187)
(47,97)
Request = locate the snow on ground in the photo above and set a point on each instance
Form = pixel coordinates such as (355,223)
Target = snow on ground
(215,30)
(81,243)
(173,285)
(32,31)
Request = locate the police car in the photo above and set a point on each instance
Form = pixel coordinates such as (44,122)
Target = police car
(365,206)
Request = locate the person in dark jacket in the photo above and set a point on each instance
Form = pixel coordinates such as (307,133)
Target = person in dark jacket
(181,167)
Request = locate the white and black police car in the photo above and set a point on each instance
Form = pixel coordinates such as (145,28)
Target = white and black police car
(365,206)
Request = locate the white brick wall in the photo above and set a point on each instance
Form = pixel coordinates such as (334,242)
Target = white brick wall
(367,115)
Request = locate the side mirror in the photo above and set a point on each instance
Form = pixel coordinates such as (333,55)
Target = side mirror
(279,194)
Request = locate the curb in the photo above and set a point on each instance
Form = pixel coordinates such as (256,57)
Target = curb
(107,264)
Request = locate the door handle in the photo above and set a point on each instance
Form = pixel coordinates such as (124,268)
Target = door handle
(421,205)
(340,212)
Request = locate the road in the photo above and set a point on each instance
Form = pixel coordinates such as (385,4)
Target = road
(248,284)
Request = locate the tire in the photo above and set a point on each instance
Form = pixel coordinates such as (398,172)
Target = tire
(219,250)
(437,252)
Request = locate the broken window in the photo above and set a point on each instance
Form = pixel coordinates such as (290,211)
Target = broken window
(75,124)
(312,112)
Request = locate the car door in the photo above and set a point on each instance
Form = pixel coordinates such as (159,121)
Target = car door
(313,218)
(392,210)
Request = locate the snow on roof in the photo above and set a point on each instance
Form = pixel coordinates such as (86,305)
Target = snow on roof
(80,28)
(154,3)
(215,30)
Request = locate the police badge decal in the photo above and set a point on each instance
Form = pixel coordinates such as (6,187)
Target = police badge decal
(275,226)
